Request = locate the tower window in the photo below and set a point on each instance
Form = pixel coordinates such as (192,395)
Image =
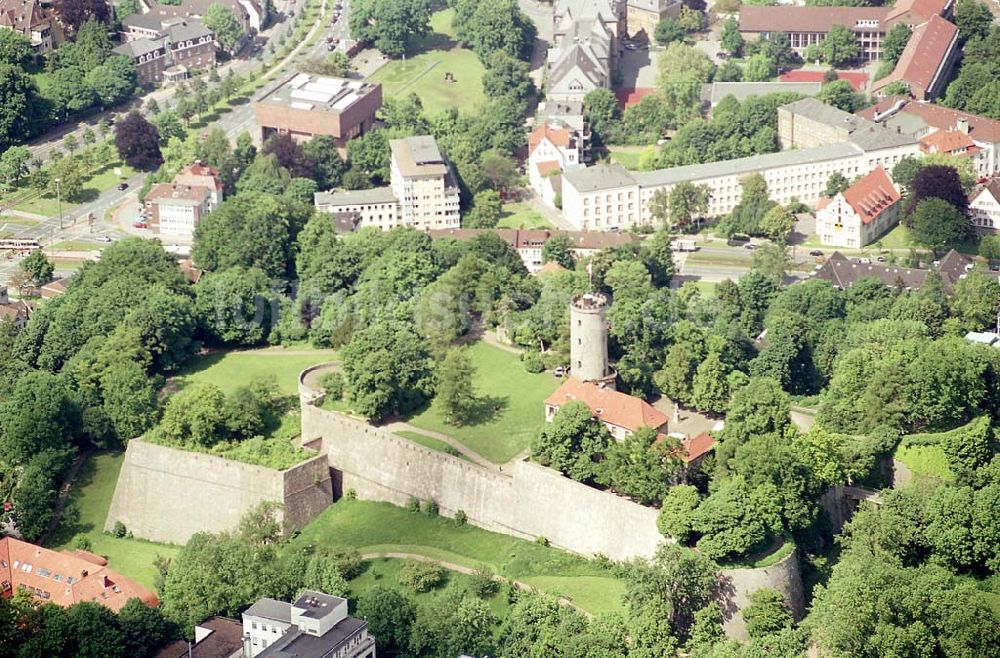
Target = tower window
(579,341)
(579,364)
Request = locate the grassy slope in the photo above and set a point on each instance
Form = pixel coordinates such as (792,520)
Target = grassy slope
(229,370)
(429,442)
(92,492)
(922,454)
(423,71)
(499,375)
(381,527)
(520,215)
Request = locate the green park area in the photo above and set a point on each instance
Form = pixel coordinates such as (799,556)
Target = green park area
(521,215)
(372,527)
(230,370)
(423,71)
(88,503)
(632,157)
(924,456)
(512,402)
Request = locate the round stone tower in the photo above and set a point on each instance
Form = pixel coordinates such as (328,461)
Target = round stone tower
(589,339)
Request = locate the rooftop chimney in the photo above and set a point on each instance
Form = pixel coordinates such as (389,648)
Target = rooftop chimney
(963,125)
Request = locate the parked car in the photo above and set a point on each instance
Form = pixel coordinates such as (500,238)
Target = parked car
(881,259)
(104,238)
(748,246)
(122,186)
(559,372)
(140,225)
(865,261)
(815,252)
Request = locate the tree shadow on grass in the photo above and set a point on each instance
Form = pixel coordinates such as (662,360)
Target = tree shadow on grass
(486,409)
(433,41)
(87,195)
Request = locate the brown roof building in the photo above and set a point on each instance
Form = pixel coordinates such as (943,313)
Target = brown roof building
(844,272)
(623,414)
(304,105)
(29,19)
(926,61)
(64,577)
(216,637)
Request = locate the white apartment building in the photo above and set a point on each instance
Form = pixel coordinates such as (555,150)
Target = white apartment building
(422,193)
(609,197)
(984,208)
(316,625)
(861,213)
(552,147)
(423,184)
(176,210)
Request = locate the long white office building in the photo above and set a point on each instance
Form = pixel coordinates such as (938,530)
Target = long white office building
(608,196)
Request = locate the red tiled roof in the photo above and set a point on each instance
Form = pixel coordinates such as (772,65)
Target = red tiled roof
(609,405)
(544,168)
(65,578)
(946,141)
(629,97)
(697,446)
(857,79)
(560,137)
(823,202)
(922,8)
(929,46)
(872,195)
(758,18)
(551,267)
(981,129)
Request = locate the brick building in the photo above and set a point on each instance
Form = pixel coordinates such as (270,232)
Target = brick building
(166,48)
(304,105)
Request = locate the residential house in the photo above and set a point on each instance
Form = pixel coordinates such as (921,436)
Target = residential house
(926,62)
(304,105)
(316,625)
(197,174)
(31,20)
(860,214)
(529,242)
(844,272)
(422,180)
(621,413)
(16,312)
(921,120)
(176,210)
(216,637)
(552,147)
(585,47)
(251,15)
(54,288)
(984,207)
(642,16)
(377,207)
(64,578)
(166,48)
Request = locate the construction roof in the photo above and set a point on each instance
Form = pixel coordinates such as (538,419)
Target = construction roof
(66,578)
(872,195)
(609,405)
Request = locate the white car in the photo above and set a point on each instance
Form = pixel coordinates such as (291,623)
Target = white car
(105,238)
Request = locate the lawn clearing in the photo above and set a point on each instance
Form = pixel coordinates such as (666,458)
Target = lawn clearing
(422,72)
(925,461)
(230,370)
(91,493)
(380,527)
(521,215)
(899,238)
(76,245)
(519,396)
(431,442)
(632,157)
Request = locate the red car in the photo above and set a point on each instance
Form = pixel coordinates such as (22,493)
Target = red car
(139,225)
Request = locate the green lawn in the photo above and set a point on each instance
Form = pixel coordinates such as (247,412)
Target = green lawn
(431,442)
(925,461)
(91,493)
(76,245)
(381,527)
(631,157)
(500,381)
(899,238)
(229,370)
(423,71)
(104,180)
(520,215)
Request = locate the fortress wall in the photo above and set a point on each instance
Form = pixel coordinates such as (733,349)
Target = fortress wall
(524,499)
(166,494)
(736,586)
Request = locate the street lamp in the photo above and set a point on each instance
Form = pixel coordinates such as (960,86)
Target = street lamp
(59,202)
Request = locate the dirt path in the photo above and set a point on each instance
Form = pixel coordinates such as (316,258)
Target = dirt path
(63,495)
(399,426)
(459,568)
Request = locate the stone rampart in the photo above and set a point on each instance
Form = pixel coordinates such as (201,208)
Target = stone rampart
(523,499)
(166,494)
(736,586)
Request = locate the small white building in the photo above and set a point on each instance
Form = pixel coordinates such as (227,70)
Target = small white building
(376,207)
(861,213)
(984,207)
(552,147)
(316,624)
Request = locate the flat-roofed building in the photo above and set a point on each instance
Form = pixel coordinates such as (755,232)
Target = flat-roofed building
(305,105)
(173,209)
(316,625)
(356,209)
(423,183)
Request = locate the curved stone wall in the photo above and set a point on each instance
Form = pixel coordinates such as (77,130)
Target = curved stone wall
(736,586)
